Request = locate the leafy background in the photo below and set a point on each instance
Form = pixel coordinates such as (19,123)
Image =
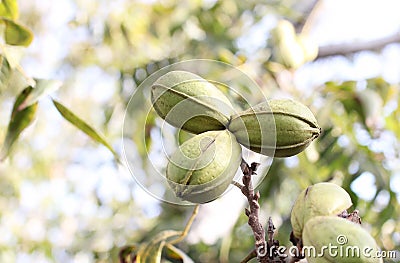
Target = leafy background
(66,197)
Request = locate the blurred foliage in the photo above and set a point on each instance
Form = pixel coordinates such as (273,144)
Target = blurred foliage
(65,199)
(21,118)
(14,32)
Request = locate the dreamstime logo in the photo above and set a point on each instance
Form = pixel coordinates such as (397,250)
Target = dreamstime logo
(150,140)
(341,239)
(339,250)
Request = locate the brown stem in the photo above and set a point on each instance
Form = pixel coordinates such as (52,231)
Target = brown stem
(237,184)
(250,256)
(253,211)
(266,251)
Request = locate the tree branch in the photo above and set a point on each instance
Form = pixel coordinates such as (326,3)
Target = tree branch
(250,256)
(266,251)
(349,48)
(253,211)
(344,48)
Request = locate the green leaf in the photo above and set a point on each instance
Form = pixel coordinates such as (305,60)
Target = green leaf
(151,251)
(139,134)
(42,88)
(13,54)
(347,87)
(9,9)
(173,253)
(383,88)
(83,126)
(5,72)
(392,121)
(149,125)
(17,34)
(371,108)
(20,120)
(13,79)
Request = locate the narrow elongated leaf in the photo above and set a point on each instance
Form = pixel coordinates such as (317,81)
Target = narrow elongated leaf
(83,126)
(5,73)
(173,253)
(17,34)
(13,78)
(42,88)
(13,54)
(151,251)
(20,120)
(9,9)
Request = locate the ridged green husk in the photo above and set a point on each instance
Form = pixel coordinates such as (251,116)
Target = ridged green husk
(187,101)
(279,128)
(322,199)
(322,232)
(204,166)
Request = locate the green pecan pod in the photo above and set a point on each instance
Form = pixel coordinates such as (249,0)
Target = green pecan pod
(203,167)
(328,239)
(322,199)
(189,102)
(279,128)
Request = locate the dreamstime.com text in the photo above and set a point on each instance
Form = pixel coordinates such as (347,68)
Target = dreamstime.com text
(339,250)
